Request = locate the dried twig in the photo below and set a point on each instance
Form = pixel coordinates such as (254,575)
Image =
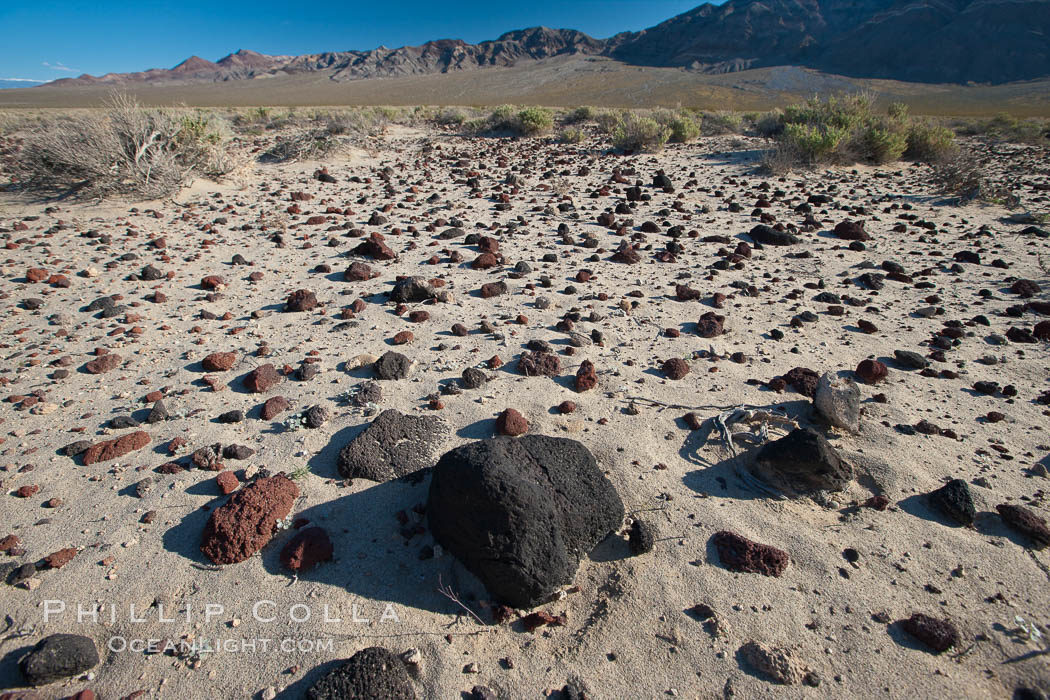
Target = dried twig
(451,595)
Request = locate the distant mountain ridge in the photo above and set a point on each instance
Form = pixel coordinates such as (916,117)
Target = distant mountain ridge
(932,41)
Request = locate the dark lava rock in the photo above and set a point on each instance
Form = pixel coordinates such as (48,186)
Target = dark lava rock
(392,446)
(237,452)
(641,537)
(262,379)
(955,501)
(534,364)
(75,448)
(231,417)
(412,289)
(369,674)
(871,371)
(912,360)
(767,235)
(473,378)
(59,656)
(939,635)
(309,547)
(626,254)
(804,461)
(158,413)
(392,365)
(244,525)
(1026,522)
(741,554)
(803,380)
(1026,289)
(520,513)
(316,416)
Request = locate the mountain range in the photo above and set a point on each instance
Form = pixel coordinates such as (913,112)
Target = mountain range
(925,41)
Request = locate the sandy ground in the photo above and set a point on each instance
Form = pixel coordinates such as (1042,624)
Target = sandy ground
(628,633)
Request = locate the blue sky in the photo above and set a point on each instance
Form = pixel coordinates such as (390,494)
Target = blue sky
(46,40)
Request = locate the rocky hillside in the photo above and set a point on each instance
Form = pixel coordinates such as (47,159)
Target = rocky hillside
(912,40)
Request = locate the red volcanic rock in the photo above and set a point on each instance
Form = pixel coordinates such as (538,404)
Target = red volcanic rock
(301,300)
(36,274)
(1042,330)
(262,378)
(675,368)
(485,261)
(871,371)
(374,247)
(213,282)
(275,406)
(227,482)
(27,491)
(488,244)
(586,376)
(686,293)
(534,364)
(1025,520)
(493,289)
(851,231)
(111,449)
(103,364)
(803,380)
(8,543)
(419,316)
(359,272)
(939,635)
(244,525)
(459,330)
(567,407)
(219,361)
(627,254)
(57,560)
(741,554)
(403,337)
(710,325)
(308,548)
(511,423)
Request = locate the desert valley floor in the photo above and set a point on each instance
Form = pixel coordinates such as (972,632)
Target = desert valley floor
(624,262)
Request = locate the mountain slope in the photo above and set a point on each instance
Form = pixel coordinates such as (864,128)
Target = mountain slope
(935,41)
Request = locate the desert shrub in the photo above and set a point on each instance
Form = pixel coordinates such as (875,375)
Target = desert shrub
(963,177)
(123,150)
(929,142)
(883,144)
(848,129)
(607,120)
(769,124)
(718,123)
(571,135)
(812,143)
(636,133)
(684,128)
(581,114)
(534,120)
(1008,128)
(303,145)
(451,116)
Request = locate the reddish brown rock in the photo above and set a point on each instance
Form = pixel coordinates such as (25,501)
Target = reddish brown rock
(536,364)
(10,542)
(419,316)
(308,548)
(871,371)
(219,361)
(1025,521)
(213,282)
(27,491)
(244,525)
(852,231)
(939,635)
(493,289)
(375,247)
(103,364)
(710,325)
(112,449)
(567,407)
(227,482)
(803,380)
(586,376)
(741,554)
(359,272)
(485,261)
(403,337)
(56,560)
(511,423)
(36,274)
(301,300)
(262,379)
(274,406)
(675,368)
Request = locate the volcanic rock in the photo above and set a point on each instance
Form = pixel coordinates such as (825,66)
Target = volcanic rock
(804,462)
(370,673)
(244,525)
(59,656)
(738,553)
(393,445)
(519,513)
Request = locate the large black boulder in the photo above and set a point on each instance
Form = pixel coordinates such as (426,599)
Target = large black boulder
(767,235)
(803,461)
(370,673)
(955,501)
(521,513)
(392,446)
(59,656)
